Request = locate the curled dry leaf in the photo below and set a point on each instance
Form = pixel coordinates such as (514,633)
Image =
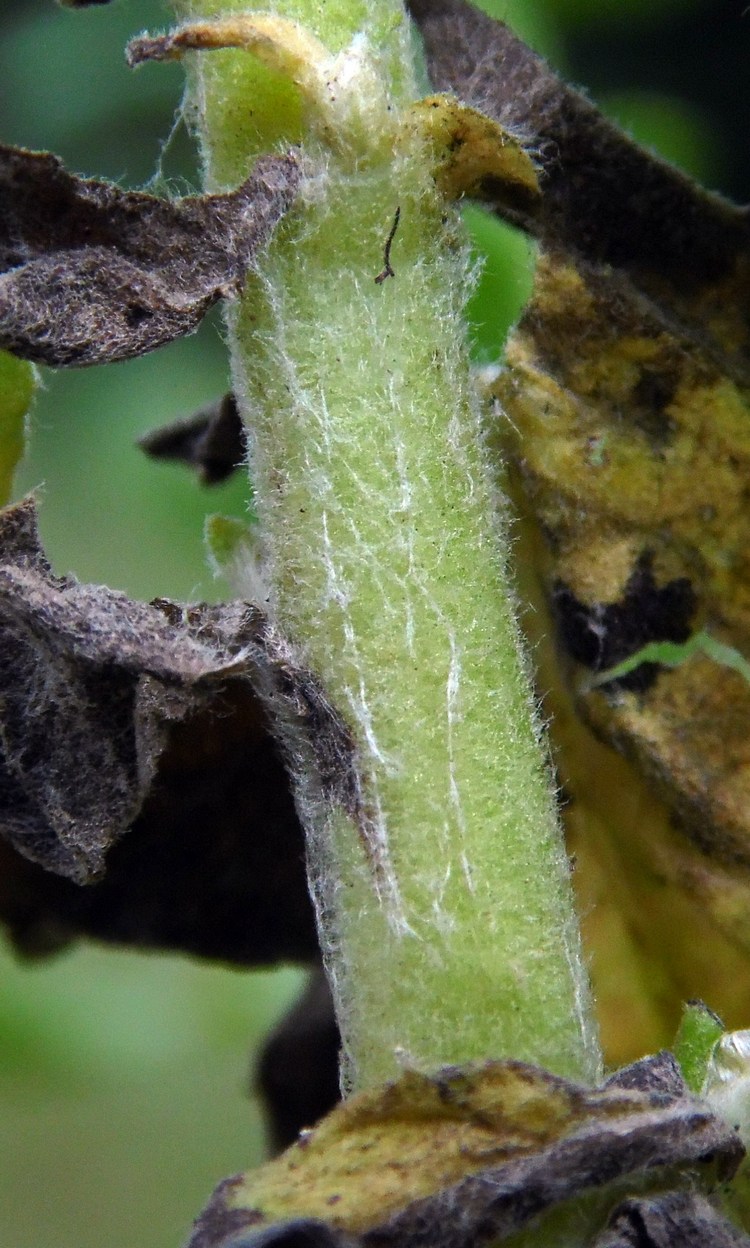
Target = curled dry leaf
(673,1218)
(142,754)
(72,656)
(604,198)
(468,1156)
(90,273)
(472,155)
(212,441)
(281,43)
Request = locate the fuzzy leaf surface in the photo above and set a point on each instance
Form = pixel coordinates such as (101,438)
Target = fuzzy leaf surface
(466,1156)
(142,755)
(683,1218)
(90,273)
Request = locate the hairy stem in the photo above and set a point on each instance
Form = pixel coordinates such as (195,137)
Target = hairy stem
(446,914)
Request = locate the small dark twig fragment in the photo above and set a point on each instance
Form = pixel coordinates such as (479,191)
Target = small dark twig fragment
(387,270)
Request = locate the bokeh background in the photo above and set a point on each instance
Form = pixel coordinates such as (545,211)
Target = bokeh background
(124,1088)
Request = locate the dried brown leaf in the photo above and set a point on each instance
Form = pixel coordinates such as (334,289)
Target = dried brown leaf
(212,441)
(212,865)
(604,198)
(603,194)
(91,273)
(143,752)
(670,1219)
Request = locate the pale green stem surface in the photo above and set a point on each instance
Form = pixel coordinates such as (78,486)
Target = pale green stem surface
(17,385)
(448,928)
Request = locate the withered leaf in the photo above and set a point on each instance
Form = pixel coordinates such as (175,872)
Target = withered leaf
(150,740)
(91,273)
(467,1156)
(298,1071)
(670,1219)
(603,197)
(212,441)
(471,154)
(212,865)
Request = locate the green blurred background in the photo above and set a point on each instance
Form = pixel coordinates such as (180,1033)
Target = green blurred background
(124,1078)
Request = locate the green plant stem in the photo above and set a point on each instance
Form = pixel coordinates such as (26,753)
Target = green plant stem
(447,926)
(17,386)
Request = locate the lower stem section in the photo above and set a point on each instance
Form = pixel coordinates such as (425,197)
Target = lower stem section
(446,915)
(445,907)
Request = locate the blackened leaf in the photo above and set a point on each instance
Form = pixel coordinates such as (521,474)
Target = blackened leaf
(469,1155)
(139,756)
(212,865)
(79,665)
(91,273)
(212,441)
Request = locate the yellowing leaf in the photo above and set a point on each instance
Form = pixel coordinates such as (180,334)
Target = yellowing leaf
(632,444)
(473,154)
(470,1155)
